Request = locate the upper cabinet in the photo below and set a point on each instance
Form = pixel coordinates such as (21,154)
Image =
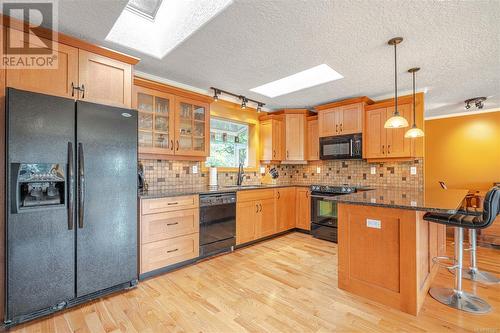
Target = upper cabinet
(295,137)
(272,137)
(312,139)
(192,127)
(84,71)
(172,124)
(390,143)
(57,81)
(343,117)
(104,80)
(283,136)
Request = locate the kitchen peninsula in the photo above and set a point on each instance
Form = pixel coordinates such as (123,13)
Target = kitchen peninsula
(394,266)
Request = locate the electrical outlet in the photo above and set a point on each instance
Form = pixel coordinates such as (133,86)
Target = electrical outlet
(373,170)
(318,169)
(262,170)
(413,170)
(376,224)
(194,169)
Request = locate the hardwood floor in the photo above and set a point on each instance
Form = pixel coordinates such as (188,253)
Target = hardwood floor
(286,284)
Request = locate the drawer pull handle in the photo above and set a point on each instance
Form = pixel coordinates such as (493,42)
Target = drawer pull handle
(172,203)
(170,251)
(173,223)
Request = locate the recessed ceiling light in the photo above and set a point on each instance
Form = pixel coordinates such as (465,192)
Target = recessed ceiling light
(308,78)
(156,27)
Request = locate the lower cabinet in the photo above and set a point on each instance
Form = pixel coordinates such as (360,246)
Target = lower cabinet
(285,208)
(169,231)
(255,215)
(303,206)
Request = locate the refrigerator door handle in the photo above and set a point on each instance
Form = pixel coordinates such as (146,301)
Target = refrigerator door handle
(71,187)
(81,186)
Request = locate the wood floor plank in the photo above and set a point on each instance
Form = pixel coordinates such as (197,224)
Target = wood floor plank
(286,284)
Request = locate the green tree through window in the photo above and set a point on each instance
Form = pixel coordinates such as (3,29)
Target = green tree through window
(228,143)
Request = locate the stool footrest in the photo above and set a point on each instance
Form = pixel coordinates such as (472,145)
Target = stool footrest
(446,262)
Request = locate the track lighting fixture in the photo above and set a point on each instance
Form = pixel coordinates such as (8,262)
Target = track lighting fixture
(396,121)
(244,100)
(477,101)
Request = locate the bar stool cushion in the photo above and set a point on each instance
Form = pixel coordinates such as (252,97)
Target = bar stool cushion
(491,209)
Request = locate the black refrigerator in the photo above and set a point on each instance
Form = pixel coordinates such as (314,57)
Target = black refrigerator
(71,209)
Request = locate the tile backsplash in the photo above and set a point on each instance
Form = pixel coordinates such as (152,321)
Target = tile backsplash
(171,174)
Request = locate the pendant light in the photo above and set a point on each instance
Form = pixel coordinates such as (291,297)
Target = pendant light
(396,121)
(414,131)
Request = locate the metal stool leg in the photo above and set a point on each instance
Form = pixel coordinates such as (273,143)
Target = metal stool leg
(473,273)
(456,297)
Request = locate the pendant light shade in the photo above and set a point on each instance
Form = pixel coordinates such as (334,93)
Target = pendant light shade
(414,131)
(396,121)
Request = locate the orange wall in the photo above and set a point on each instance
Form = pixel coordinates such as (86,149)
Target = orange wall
(463,151)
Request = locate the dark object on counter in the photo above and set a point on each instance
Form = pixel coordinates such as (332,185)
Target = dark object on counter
(141,181)
(274,173)
(217,223)
(455,297)
(324,214)
(240,175)
(71,233)
(341,147)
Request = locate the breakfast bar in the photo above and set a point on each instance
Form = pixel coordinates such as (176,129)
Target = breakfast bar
(386,248)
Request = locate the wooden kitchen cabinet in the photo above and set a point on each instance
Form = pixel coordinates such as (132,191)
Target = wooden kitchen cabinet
(285,208)
(155,120)
(57,81)
(169,231)
(385,143)
(255,215)
(303,206)
(295,137)
(271,139)
(312,139)
(171,125)
(104,80)
(342,117)
(245,221)
(266,218)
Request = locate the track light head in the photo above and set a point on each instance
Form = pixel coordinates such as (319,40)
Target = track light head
(243,102)
(259,107)
(478,102)
(216,95)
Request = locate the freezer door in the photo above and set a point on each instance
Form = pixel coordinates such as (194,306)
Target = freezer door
(40,252)
(107,197)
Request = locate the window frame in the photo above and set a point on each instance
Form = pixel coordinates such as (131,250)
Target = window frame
(228,111)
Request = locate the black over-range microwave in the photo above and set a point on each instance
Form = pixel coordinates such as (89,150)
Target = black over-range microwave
(341,147)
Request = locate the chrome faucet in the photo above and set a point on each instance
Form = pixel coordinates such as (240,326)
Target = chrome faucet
(239,180)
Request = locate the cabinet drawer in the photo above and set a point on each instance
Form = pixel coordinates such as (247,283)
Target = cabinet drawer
(155,227)
(160,205)
(251,195)
(167,252)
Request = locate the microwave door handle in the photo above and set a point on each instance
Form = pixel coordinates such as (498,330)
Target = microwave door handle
(352,153)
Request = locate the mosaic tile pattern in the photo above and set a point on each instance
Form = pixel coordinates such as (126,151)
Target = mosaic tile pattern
(176,174)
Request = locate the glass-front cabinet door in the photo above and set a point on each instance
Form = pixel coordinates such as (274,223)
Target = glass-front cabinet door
(155,121)
(191,127)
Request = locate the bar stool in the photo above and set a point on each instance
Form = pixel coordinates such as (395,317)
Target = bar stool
(456,297)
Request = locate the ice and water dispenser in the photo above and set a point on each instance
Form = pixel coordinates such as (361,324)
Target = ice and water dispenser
(37,185)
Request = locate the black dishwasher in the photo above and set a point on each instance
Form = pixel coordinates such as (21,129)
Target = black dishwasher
(217,223)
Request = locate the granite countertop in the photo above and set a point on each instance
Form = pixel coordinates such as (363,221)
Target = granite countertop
(177,191)
(435,200)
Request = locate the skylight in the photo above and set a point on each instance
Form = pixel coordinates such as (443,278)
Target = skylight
(156,27)
(146,8)
(308,78)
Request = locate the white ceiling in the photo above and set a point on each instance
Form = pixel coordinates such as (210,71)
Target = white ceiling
(252,42)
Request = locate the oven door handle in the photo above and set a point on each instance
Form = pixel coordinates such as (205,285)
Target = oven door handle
(322,196)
